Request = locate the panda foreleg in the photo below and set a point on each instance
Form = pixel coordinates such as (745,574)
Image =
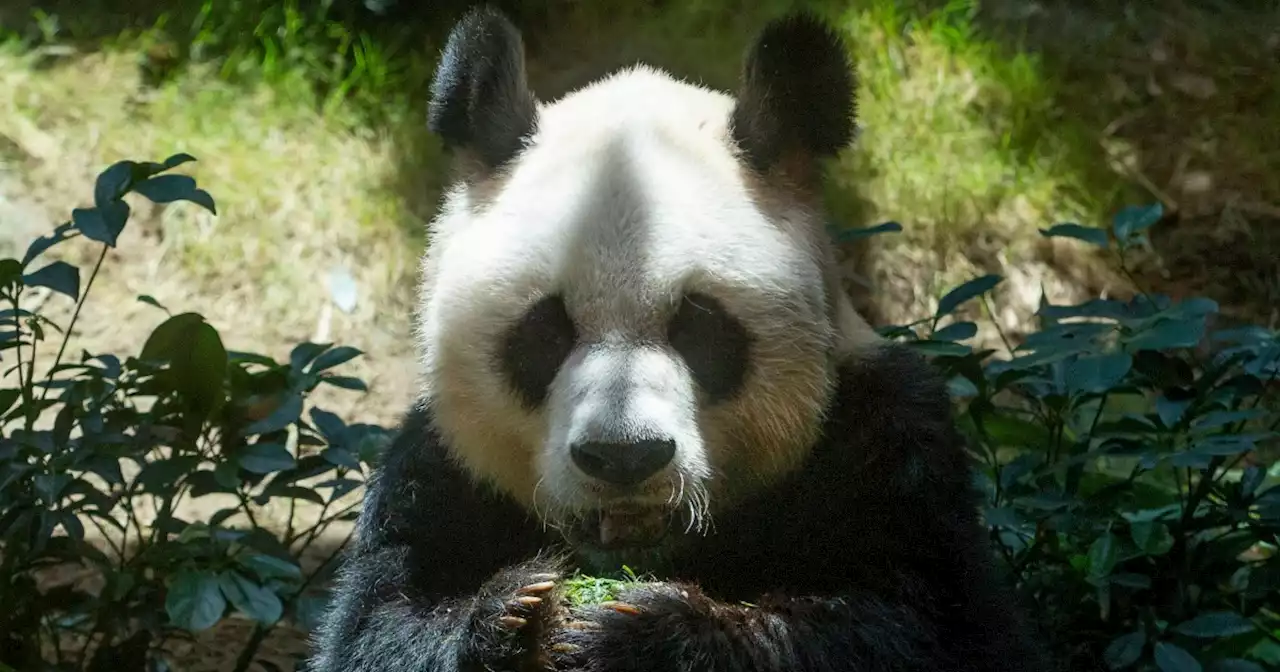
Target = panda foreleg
(442,576)
(379,623)
(674,627)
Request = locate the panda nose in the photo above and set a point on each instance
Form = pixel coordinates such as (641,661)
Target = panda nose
(623,463)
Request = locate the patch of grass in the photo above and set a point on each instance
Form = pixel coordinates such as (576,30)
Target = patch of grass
(295,185)
(959,139)
(581,590)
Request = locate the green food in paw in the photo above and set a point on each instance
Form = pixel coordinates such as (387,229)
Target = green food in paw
(584,591)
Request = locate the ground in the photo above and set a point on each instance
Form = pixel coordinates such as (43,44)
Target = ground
(977,130)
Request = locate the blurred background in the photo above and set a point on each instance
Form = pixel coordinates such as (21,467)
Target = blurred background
(982,123)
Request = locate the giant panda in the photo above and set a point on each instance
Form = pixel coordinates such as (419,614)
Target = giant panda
(635,351)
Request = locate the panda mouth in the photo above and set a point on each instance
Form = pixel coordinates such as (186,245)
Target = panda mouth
(624,527)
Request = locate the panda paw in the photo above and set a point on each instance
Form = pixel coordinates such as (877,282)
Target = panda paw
(645,630)
(511,625)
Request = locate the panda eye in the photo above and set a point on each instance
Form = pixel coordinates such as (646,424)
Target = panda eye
(534,348)
(714,345)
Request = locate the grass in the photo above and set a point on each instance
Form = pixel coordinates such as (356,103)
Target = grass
(582,590)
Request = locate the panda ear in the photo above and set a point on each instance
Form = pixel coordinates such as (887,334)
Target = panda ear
(480,99)
(797,93)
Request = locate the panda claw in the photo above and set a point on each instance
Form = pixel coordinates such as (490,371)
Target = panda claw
(564,647)
(540,587)
(525,602)
(581,625)
(545,577)
(513,622)
(622,608)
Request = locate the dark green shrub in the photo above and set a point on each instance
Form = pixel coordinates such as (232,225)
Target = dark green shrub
(84,444)
(1123,449)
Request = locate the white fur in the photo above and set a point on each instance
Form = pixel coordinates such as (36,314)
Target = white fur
(629,196)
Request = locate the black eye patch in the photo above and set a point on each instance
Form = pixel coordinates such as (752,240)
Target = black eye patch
(535,347)
(714,344)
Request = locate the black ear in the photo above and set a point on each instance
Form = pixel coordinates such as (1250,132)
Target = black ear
(480,99)
(797,92)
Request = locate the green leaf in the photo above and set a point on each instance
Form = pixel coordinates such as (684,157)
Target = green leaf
(168,338)
(847,235)
(1124,650)
(269,567)
(202,369)
(346,383)
(170,188)
(304,353)
(1168,334)
(196,356)
(157,475)
(51,486)
(1217,419)
(253,600)
(1088,234)
(102,224)
(1226,445)
(329,424)
(150,300)
(956,332)
(43,243)
(1103,555)
(59,276)
(1171,410)
(10,273)
(1249,481)
(177,160)
(1096,373)
(1134,219)
(112,183)
(334,357)
(287,413)
(227,475)
(939,348)
(265,458)
(1173,658)
(1152,538)
(310,609)
(969,290)
(340,457)
(7,399)
(1215,624)
(194,601)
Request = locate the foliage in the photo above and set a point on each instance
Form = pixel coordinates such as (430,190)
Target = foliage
(1126,451)
(97,444)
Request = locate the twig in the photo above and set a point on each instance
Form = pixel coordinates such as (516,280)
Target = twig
(66,337)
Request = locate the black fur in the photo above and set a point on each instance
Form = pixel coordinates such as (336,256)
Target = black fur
(797,93)
(480,98)
(535,347)
(713,343)
(869,558)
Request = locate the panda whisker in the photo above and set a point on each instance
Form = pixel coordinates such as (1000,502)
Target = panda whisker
(540,513)
(677,492)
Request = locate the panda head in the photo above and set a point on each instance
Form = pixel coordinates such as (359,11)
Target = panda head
(630,317)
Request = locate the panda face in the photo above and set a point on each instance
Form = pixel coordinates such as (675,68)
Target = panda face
(625,324)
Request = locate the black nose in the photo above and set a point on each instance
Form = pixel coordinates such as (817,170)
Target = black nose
(623,463)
